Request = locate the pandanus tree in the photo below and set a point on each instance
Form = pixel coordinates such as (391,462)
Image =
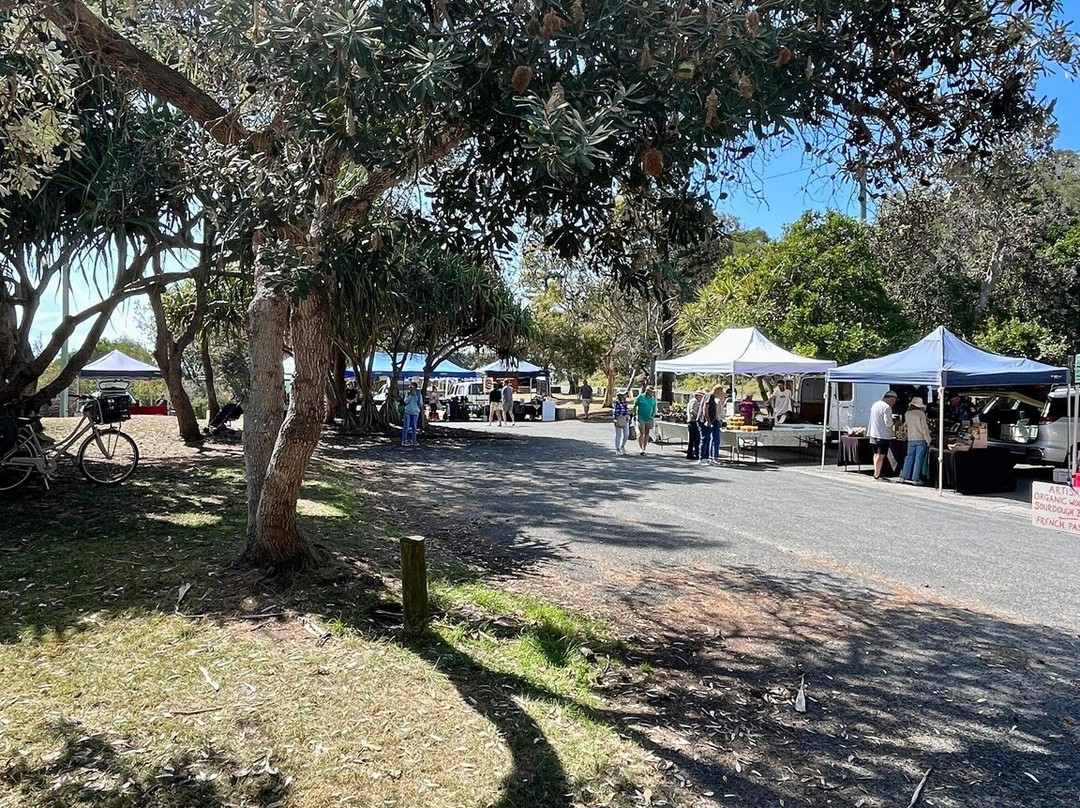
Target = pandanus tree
(103,216)
(517,111)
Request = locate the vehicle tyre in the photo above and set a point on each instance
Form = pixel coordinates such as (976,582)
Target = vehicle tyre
(14,476)
(110,462)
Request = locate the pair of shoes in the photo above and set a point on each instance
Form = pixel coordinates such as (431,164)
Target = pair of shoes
(917,482)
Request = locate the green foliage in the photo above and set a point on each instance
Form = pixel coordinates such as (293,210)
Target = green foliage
(1022,337)
(817,291)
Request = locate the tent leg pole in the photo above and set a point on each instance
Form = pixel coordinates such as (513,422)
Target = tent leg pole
(825,426)
(941,441)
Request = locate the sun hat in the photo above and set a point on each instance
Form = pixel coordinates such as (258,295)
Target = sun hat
(917,403)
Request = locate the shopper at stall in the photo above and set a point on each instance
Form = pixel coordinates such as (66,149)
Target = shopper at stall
(780,403)
(508,403)
(693,415)
(880,430)
(918,436)
(621,419)
(414,405)
(495,407)
(718,401)
(705,429)
(586,398)
(645,412)
(433,404)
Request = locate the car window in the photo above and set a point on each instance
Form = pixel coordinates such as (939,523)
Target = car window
(1056,407)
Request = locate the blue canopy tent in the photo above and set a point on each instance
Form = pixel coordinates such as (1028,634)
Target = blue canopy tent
(413,366)
(941,359)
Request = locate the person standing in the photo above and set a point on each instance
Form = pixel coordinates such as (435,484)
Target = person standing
(880,430)
(414,405)
(645,412)
(780,403)
(705,427)
(749,409)
(718,400)
(621,418)
(918,435)
(433,403)
(586,398)
(693,415)
(495,404)
(508,402)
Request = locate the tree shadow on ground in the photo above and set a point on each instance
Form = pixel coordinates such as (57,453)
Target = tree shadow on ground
(895,687)
(91,769)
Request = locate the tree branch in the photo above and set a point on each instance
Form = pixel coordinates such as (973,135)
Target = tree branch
(90,34)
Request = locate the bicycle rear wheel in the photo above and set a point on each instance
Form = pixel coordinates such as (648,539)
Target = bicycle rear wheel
(12,476)
(108,457)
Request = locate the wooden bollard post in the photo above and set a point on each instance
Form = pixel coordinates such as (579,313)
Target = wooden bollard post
(414,594)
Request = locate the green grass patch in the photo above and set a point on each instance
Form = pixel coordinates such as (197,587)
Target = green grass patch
(116,691)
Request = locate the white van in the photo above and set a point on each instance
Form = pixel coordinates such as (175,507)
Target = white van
(473,391)
(849,404)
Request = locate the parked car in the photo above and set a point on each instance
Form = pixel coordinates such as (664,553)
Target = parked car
(1035,431)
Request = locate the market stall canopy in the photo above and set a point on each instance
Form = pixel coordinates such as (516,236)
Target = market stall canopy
(118,365)
(413,366)
(512,367)
(746,352)
(944,359)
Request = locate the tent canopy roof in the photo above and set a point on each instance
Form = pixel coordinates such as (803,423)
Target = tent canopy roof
(118,365)
(512,367)
(744,351)
(942,358)
(413,366)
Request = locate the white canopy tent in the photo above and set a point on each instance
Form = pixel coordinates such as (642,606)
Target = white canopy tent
(743,352)
(118,365)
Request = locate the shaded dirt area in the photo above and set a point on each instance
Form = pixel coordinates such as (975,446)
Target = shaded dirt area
(895,684)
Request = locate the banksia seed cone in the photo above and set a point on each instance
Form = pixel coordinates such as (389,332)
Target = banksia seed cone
(521,78)
(550,25)
(652,162)
(578,13)
(647,60)
(753,24)
(783,57)
(746,87)
(712,104)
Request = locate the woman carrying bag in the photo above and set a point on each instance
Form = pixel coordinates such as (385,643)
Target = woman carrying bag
(621,418)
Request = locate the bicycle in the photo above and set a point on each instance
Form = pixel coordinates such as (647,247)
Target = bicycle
(107,456)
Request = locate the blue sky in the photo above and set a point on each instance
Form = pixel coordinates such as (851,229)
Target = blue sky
(789,184)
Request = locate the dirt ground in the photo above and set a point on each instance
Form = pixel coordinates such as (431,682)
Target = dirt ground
(898,692)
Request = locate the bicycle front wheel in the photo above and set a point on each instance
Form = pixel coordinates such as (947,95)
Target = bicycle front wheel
(108,457)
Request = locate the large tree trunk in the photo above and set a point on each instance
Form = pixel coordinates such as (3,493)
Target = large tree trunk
(212,405)
(190,431)
(264,407)
(278,541)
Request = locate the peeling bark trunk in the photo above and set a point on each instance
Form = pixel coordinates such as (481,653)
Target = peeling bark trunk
(278,541)
(264,408)
(188,423)
(212,405)
(609,374)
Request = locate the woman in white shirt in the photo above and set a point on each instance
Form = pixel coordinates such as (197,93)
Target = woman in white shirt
(918,435)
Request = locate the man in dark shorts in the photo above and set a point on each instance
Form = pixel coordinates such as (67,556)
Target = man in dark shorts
(880,430)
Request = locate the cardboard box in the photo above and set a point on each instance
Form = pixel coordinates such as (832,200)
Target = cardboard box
(978,436)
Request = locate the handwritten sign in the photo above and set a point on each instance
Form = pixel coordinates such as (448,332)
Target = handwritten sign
(1056,507)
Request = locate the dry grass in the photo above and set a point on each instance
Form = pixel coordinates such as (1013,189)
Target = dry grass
(113,692)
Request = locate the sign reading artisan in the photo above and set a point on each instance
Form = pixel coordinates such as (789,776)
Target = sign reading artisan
(1056,507)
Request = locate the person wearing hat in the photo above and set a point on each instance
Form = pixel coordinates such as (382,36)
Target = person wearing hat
(621,417)
(645,412)
(693,415)
(918,435)
(880,430)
